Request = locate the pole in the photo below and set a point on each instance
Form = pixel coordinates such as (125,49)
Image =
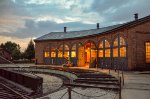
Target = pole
(120,88)
(122,78)
(69,92)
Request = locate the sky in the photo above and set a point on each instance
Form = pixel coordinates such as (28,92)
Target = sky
(23,20)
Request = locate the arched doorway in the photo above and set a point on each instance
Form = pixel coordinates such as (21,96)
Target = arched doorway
(87,55)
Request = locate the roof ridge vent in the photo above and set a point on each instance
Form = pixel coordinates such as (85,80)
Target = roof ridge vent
(97,25)
(136,16)
(65,29)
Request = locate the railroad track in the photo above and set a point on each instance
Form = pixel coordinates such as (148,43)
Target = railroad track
(7,92)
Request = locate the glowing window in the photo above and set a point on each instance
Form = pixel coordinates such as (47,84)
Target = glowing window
(107,52)
(115,52)
(46,54)
(60,54)
(122,41)
(147,52)
(101,45)
(100,54)
(53,54)
(115,42)
(66,51)
(123,52)
(73,51)
(107,44)
(60,51)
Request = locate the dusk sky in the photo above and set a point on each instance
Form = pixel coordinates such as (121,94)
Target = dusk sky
(21,20)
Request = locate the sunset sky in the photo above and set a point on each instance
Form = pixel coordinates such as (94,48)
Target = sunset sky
(22,20)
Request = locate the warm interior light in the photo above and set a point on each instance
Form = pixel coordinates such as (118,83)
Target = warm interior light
(46,54)
(148,52)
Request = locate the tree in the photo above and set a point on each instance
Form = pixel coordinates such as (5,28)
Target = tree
(13,48)
(29,52)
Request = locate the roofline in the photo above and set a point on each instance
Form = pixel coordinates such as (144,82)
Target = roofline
(126,25)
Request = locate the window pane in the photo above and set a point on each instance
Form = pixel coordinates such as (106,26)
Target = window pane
(100,54)
(115,42)
(46,54)
(74,47)
(107,45)
(66,47)
(66,54)
(60,54)
(93,53)
(107,52)
(101,45)
(115,52)
(122,41)
(53,54)
(123,52)
(73,54)
(148,52)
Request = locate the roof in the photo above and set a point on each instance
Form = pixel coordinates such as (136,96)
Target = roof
(85,33)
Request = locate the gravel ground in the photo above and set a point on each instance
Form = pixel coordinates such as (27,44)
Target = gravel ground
(50,83)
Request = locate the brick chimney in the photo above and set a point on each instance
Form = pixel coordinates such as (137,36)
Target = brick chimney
(65,29)
(136,16)
(97,25)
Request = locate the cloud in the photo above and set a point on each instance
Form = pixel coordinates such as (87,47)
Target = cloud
(22,19)
(118,11)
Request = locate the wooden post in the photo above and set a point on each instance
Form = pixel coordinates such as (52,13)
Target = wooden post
(69,92)
(122,78)
(120,88)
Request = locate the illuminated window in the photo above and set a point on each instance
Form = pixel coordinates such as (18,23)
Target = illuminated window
(60,51)
(46,54)
(115,42)
(122,41)
(93,50)
(73,51)
(53,52)
(147,52)
(101,45)
(123,52)
(66,51)
(104,46)
(115,52)
(119,46)
(100,54)
(107,52)
(107,45)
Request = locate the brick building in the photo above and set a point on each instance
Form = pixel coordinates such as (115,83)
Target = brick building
(122,46)
(4,56)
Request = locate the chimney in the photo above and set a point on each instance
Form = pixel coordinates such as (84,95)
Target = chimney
(65,29)
(136,16)
(97,25)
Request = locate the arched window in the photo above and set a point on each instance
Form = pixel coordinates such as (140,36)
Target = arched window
(66,51)
(73,50)
(60,51)
(115,49)
(101,46)
(122,47)
(107,49)
(46,52)
(119,45)
(53,52)
(104,49)
(93,50)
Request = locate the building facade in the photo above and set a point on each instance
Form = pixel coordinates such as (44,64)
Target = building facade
(123,46)
(4,56)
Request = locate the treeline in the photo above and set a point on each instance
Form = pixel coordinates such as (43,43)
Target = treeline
(15,51)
